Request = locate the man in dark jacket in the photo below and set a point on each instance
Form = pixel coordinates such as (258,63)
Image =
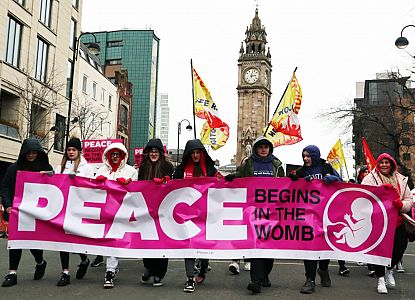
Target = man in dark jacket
(261,163)
(32,158)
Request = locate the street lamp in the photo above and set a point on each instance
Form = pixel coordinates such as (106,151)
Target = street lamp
(401,42)
(179,129)
(95,49)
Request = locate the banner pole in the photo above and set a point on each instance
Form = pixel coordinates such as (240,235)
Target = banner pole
(193,99)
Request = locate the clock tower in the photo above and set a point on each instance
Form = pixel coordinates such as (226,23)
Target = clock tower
(254,87)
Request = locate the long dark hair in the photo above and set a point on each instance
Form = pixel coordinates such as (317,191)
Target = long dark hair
(150,170)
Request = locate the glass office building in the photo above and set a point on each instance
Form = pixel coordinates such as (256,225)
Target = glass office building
(137,51)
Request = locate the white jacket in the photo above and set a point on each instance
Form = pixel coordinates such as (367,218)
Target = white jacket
(124,171)
(84,169)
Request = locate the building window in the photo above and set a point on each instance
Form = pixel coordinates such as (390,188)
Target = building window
(84,83)
(114,44)
(58,141)
(68,79)
(406,156)
(73,34)
(41,60)
(94,90)
(45,11)
(13,42)
(109,101)
(82,52)
(124,116)
(102,97)
(114,62)
(75,3)
(21,2)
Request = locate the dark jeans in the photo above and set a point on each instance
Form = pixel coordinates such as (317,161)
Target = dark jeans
(311,267)
(16,254)
(189,264)
(260,268)
(156,266)
(399,246)
(65,259)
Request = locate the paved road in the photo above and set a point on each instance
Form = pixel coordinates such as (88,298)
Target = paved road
(287,277)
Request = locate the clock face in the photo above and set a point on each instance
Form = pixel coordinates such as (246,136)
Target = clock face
(251,76)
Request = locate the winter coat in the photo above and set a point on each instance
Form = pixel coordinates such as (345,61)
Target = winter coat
(247,167)
(84,169)
(373,178)
(124,171)
(9,180)
(188,149)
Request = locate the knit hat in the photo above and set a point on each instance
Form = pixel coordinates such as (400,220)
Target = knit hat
(74,142)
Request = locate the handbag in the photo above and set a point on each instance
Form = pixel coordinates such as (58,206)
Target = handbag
(409,225)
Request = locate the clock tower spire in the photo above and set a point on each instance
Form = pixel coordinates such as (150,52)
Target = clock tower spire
(254,87)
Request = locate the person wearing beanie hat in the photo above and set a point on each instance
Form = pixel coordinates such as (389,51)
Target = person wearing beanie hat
(261,163)
(155,166)
(73,164)
(315,168)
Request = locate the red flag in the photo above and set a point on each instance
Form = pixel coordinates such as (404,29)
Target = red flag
(370,160)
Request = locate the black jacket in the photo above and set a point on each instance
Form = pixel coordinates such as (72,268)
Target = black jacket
(190,146)
(9,180)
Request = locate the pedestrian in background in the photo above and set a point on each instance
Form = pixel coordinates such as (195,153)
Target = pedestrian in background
(73,164)
(32,158)
(315,167)
(155,166)
(386,174)
(261,163)
(196,162)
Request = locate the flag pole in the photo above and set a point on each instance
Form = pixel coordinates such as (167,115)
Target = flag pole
(193,99)
(345,163)
(286,88)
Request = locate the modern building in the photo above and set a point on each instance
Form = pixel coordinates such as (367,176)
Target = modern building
(137,51)
(162,123)
(384,115)
(254,87)
(36,49)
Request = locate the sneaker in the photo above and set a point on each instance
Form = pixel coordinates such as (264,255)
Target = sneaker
(9,280)
(109,280)
(266,282)
(99,260)
(382,286)
(65,280)
(145,278)
(40,270)
(371,273)
(3,235)
(390,281)
(344,271)
(157,281)
(200,278)
(400,268)
(247,266)
(189,286)
(234,268)
(325,278)
(359,263)
(82,267)
(308,287)
(254,287)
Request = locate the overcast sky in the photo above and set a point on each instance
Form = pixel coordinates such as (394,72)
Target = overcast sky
(334,44)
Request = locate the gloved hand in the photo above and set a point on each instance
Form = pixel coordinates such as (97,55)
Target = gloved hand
(330,178)
(72,175)
(166,179)
(397,203)
(293,176)
(230,177)
(308,178)
(388,186)
(101,178)
(49,173)
(123,181)
(158,180)
(219,175)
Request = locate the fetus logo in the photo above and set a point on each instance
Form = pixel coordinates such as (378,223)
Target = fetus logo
(361,225)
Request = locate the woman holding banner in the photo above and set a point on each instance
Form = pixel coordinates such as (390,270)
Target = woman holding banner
(155,166)
(196,162)
(74,164)
(386,174)
(261,163)
(315,168)
(32,158)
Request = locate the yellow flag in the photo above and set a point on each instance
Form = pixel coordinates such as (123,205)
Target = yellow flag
(215,137)
(336,156)
(203,101)
(284,127)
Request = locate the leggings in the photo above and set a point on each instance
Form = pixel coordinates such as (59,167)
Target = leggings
(156,266)
(16,254)
(260,268)
(311,267)
(65,259)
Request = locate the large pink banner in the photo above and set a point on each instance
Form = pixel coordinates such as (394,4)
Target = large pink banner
(206,218)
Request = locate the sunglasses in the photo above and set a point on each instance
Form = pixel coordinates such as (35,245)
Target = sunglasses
(115,154)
